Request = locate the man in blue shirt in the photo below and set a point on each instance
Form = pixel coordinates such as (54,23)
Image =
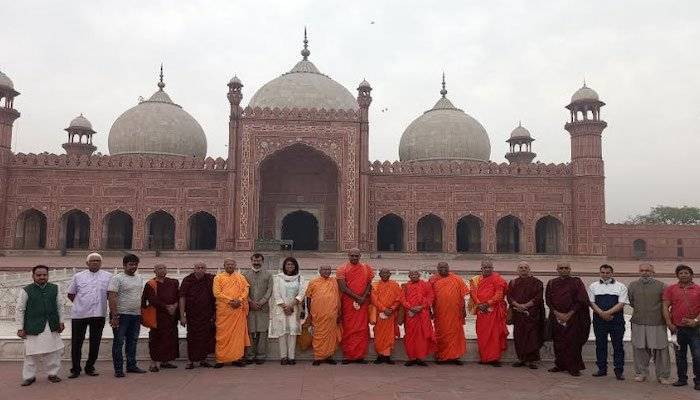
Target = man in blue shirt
(608,298)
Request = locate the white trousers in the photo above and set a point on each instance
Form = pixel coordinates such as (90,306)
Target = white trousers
(288,344)
(51,363)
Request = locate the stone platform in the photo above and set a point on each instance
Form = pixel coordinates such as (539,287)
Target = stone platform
(347,382)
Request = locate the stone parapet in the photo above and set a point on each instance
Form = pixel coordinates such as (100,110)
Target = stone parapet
(467,168)
(118,162)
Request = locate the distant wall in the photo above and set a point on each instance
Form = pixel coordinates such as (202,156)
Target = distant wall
(653,242)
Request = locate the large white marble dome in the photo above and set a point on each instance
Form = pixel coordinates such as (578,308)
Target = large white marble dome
(157,126)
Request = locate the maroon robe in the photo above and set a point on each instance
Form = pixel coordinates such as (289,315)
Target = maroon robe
(162,341)
(200,309)
(564,295)
(528,328)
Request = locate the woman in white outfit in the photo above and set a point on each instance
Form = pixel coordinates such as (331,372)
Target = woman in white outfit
(288,292)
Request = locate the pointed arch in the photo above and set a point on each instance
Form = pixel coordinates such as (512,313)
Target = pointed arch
(160,231)
(202,231)
(390,233)
(549,235)
(118,230)
(469,233)
(509,230)
(75,230)
(429,234)
(30,230)
(302,228)
(639,248)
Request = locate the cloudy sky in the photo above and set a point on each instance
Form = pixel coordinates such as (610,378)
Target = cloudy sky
(505,61)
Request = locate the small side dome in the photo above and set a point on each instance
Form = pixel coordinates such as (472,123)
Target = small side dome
(585,93)
(5,81)
(80,122)
(364,85)
(520,132)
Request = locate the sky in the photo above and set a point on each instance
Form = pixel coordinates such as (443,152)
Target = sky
(505,61)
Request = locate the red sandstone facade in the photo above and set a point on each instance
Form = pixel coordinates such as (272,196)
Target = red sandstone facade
(305,174)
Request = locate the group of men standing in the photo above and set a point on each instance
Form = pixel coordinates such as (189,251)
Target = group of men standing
(229,315)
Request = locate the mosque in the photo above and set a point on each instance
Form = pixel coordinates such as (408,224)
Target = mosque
(298,170)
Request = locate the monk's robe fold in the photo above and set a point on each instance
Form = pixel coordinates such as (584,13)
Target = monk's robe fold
(231,323)
(565,295)
(528,328)
(448,315)
(419,337)
(355,322)
(491,329)
(324,296)
(385,295)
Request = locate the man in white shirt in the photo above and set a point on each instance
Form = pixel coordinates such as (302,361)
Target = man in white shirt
(88,292)
(40,322)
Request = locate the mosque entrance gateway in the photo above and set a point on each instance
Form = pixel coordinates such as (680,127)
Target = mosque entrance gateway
(302,228)
(298,198)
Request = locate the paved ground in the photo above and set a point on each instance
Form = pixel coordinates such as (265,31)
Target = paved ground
(366,382)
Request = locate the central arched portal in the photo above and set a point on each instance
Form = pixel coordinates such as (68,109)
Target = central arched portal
(299,191)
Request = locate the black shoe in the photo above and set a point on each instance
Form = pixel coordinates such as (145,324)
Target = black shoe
(619,376)
(284,361)
(575,373)
(518,364)
(136,370)
(599,374)
(440,362)
(259,362)
(316,363)
(697,386)
(28,382)
(410,363)
(218,365)
(532,365)
(379,360)
(239,364)
(249,360)
(91,372)
(167,365)
(205,364)
(346,362)
(421,363)
(74,375)
(457,361)
(330,361)
(292,362)
(554,369)
(389,361)
(154,369)
(496,364)
(54,379)
(679,383)
(119,374)
(360,361)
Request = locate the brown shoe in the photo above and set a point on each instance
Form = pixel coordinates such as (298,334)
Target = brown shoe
(54,379)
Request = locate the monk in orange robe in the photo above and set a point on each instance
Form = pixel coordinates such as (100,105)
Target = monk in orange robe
(487,292)
(449,314)
(386,300)
(231,294)
(355,284)
(419,338)
(323,303)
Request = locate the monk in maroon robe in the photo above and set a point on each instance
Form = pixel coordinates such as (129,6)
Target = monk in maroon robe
(527,311)
(569,320)
(198,313)
(355,283)
(162,292)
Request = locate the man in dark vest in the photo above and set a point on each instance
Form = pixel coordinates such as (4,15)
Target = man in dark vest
(40,322)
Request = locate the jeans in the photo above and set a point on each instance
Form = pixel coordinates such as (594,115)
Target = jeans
(127,332)
(78,328)
(688,337)
(616,332)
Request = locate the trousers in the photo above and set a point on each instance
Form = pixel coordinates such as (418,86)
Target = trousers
(288,344)
(78,328)
(616,332)
(51,362)
(258,346)
(688,338)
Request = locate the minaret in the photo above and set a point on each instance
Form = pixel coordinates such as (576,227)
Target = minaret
(79,137)
(364,99)
(588,185)
(520,142)
(8,115)
(234,96)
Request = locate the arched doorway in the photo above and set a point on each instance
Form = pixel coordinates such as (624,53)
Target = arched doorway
(390,233)
(161,231)
(75,230)
(429,234)
(118,230)
(301,227)
(30,232)
(299,177)
(202,231)
(639,248)
(469,234)
(548,235)
(508,234)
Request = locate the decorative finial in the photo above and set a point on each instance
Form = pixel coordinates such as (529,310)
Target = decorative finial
(584,82)
(305,52)
(161,84)
(520,123)
(443,92)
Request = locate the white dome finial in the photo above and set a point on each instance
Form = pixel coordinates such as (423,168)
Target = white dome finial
(305,52)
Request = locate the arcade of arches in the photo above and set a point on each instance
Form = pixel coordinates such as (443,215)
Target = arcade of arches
(75,230)
(118,230)
(299,198)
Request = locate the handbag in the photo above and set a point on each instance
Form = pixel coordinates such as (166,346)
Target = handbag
(148,313)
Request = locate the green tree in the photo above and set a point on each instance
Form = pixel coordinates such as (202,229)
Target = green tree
(665,215)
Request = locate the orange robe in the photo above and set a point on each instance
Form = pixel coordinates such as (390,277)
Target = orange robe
(449,313)
(491,330)
(385,295)
(231,323)
(419,337)
(325,306)
(355,322)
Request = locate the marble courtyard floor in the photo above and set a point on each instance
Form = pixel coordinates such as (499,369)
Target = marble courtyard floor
(366,382)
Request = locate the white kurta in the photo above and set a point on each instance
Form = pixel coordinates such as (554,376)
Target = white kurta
(46,341)
(285,290)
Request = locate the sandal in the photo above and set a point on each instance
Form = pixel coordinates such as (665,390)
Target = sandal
(167,365)
(205,364)
(153,369)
